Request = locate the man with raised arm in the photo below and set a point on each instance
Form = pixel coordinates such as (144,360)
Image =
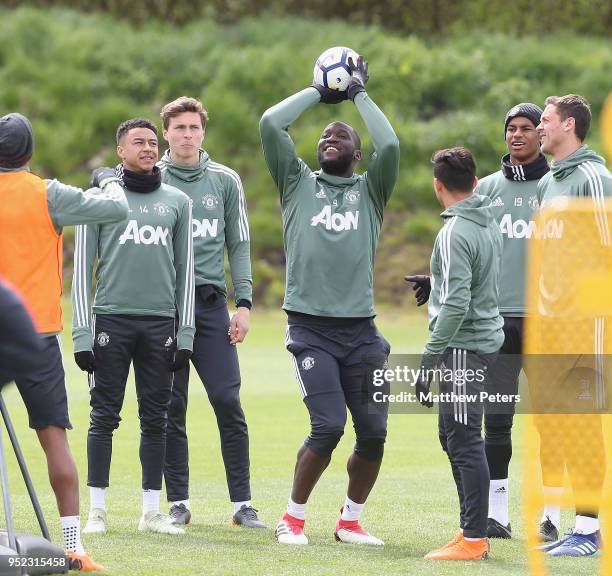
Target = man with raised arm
(331,222)
(34,213)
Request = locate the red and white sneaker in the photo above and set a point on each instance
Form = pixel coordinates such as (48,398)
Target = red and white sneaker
(351,532)
(290,530)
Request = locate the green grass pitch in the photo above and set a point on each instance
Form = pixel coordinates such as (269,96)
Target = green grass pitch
(413,507)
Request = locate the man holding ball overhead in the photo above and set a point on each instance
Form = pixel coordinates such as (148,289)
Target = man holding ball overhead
(331,223)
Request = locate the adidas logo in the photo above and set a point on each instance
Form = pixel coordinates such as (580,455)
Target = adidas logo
(497,202)
(500,490)
(168,342)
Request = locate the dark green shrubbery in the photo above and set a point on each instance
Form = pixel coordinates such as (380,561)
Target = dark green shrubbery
(407,16)
(78,76)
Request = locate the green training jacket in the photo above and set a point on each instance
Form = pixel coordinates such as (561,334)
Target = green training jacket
(331,225)
(465,267)
(514,203)
(220,219)
(581,174)
(144,265)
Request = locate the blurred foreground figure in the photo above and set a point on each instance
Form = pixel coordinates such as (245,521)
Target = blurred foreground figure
(561,325)
(19,343)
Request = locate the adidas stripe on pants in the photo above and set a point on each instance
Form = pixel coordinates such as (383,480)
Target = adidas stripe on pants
(460,424)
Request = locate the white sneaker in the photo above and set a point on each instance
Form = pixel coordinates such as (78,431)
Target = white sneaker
(155,521)
(96,523)
(351,532)
(290,530)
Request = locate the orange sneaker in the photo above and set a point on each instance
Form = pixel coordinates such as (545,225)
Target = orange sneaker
(461,549)
(454,541)
(82,562)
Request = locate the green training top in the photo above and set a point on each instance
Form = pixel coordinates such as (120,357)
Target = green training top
(465,267)
(514,203)
(145,265)
(331,224)
(219,219)
(581,174)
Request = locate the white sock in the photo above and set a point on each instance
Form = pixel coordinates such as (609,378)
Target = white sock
(498,501)
(351,510)
(296,510)
(96,498)
(472,539)
(238,505)
(552,510)
(150,501)
(586,525)
(71,527)
(179,502)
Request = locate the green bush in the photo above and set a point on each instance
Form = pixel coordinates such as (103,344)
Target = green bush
(78,76)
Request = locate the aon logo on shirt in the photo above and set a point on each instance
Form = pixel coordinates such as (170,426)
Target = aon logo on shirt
(336,221)
(203,228)
(522,229)
(145,234)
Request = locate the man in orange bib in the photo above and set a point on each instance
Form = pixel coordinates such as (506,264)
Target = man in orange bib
(34,211)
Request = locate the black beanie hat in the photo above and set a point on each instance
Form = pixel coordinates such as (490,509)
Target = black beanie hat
(16,140)
(525,110)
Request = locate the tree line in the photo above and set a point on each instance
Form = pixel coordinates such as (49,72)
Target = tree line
(408,16)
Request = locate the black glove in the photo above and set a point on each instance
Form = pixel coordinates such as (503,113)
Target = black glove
(99,175)
(359,77)
(329,96)
(423,384)
(422,387)
(181,360)
(86,361)
(422,288)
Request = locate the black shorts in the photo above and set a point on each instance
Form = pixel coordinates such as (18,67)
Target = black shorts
(44,391)
(334,359)
(322,346)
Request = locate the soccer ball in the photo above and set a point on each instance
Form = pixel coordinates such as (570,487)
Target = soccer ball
(332,69)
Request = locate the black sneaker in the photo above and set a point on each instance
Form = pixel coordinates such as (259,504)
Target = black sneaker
(180,515)
(497,530)
(247,517)
(548,532)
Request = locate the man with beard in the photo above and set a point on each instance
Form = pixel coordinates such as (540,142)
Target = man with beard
(331,223)
(577,172)
(144,278)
